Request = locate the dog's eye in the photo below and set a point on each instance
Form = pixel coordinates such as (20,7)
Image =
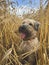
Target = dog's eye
(30,24)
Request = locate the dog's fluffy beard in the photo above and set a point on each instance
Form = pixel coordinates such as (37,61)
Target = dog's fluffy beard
(24,32)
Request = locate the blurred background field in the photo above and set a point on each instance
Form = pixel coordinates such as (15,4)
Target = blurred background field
(9,36)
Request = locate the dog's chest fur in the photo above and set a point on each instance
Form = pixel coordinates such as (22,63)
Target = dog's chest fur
(29,45)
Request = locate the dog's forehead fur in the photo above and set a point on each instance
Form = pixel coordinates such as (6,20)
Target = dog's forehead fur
(29,21)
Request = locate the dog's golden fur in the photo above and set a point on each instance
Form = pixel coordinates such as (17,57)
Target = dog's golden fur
(31,45)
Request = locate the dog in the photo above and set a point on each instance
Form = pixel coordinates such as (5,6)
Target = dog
(28,32)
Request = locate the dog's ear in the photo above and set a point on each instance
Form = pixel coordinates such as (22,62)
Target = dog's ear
(36,26)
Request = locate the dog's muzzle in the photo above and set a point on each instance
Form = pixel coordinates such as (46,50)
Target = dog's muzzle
(25,33)
(22,29)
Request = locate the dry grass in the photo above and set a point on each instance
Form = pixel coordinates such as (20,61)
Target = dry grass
(9,39)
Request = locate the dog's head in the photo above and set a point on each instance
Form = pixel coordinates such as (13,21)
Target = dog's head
(28,29)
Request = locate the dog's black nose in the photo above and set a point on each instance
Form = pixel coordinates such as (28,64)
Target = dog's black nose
(22,28)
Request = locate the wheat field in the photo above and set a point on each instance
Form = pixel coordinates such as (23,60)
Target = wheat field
(9,37)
